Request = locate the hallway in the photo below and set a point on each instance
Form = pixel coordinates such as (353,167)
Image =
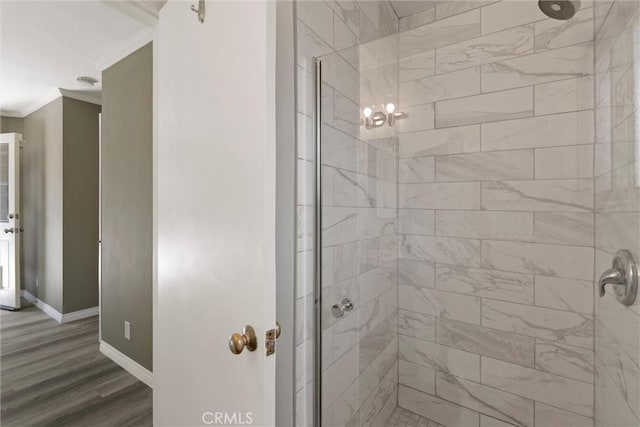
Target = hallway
(54,374)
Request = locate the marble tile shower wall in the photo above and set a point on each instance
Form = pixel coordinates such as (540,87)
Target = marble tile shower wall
(358,43)
(496,215)
(617,328)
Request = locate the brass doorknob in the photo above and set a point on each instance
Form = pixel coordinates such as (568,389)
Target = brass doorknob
(237,342)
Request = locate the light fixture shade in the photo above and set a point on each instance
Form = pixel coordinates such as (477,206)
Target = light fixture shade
(367,111)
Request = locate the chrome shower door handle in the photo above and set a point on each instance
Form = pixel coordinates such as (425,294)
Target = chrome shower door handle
(622,276)
(338,309)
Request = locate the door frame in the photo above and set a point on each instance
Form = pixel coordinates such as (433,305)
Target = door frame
(155,46)
(13,142)
(286,155)
(100,227)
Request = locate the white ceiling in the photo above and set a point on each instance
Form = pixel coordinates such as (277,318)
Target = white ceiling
(46,45)
(409,7)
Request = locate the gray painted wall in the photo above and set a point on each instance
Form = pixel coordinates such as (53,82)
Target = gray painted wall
(80,208)
(127,201)
(11,125)
(42,184)
(60,205)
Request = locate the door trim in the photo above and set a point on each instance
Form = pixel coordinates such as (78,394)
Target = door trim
(286,247)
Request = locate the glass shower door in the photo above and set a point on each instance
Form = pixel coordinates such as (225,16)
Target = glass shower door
(356,287)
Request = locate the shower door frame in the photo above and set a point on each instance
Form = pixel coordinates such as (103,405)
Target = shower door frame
(317,245)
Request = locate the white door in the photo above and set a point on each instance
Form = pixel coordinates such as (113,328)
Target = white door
(10,220)
(215,213)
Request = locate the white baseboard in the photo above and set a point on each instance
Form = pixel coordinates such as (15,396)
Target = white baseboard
(55,314)
(48,310)
(130,365)
(28,296)
(80,314)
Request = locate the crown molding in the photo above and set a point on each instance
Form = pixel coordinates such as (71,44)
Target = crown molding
(90,97)
(49,96)
(142,12)
(134,43)
(52,95)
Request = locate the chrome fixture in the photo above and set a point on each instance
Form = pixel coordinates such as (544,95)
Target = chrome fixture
(378,118)
(199,10)
(237,342)
(622,276)
(559,9)
(317,248)
(338,309)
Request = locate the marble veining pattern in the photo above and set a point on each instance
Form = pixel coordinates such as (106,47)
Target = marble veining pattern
(485,341)
(492,173)
(508,407)
(617,212)
(574,396)
(543,195)
(496,202)
(489,107)
(488,283)
(566,360)
(499,165)
(358,44)
(444,359)
(553,34)
(542,67)
(486,49)
(437,88)
(553,325)
(403,418)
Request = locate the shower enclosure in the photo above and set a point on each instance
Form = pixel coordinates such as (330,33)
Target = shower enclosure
(465,175)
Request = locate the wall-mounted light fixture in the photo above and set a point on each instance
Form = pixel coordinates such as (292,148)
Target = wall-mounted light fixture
(378,118)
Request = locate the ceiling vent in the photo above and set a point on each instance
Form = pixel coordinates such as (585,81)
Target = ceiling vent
(87,81)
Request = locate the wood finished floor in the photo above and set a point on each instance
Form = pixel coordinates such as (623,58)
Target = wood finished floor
(54,375)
